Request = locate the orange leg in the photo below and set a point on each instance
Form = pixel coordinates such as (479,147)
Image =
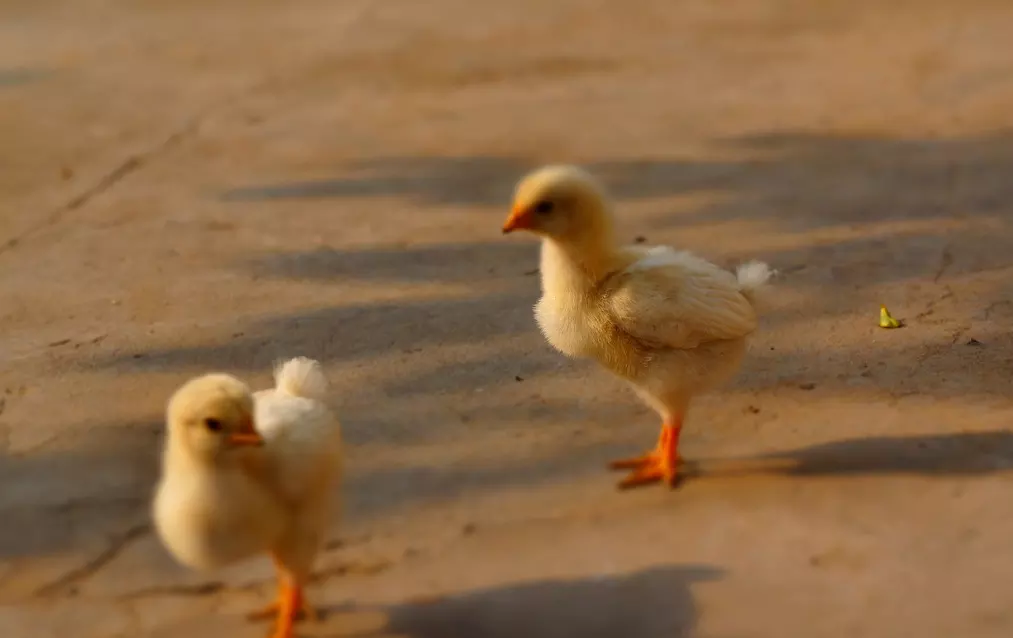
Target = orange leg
(290,606)
(661,464)
(288,596)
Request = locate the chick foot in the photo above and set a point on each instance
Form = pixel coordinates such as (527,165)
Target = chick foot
(290,606)
(661,464)
(304,611)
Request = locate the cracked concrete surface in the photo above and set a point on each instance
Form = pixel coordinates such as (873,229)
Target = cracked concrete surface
(188,187)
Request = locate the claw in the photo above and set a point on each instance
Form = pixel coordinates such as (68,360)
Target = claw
(653,471)
(304,612)
(662,464)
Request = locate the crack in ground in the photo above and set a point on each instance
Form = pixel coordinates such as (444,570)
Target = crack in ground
(360,568)
(354,567)
(87,570)
(135,162)
(208,588)
(185,591)
(126,168)
(945,261)
(992,307)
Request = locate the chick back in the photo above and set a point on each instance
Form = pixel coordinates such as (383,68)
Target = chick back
(302,377)
(302,433)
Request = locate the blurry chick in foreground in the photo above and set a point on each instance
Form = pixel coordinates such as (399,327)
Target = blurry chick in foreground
(670,323)
(245,473)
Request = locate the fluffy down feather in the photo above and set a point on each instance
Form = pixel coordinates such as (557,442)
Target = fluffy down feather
(229,491)
(670,323)
(303,437)
(302,377)
(671,299)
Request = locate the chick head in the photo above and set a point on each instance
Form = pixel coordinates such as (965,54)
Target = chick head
(562,202)
(213,415)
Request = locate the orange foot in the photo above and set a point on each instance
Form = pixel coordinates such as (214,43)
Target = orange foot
(290,606)
(662,464)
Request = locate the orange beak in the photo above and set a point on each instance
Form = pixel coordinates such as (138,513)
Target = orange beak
(519,219)
(247,435)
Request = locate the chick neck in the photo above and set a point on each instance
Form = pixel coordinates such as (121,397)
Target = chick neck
(590,253)
(180,455)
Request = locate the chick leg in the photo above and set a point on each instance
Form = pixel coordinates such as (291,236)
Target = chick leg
(303,610)
(661,464)
(290,605)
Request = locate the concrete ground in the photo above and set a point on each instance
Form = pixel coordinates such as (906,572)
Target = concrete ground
(188,186)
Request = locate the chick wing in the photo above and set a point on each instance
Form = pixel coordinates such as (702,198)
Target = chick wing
(673,299)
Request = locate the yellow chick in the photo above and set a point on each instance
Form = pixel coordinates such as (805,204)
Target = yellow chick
(245,474)
(671,324)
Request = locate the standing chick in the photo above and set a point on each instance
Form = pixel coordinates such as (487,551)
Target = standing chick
(670,323)
(244,474)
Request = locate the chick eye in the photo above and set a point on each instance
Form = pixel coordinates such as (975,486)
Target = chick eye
(544,207)
(213,424)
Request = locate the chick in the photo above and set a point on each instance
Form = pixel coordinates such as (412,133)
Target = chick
(245,474)
(671,324)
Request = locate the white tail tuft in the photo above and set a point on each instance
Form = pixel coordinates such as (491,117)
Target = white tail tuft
(302,377)
(753,275)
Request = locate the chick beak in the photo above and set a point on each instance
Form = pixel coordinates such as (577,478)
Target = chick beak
(247,435)
(519,219)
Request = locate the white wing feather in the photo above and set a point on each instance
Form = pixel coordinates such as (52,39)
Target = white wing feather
(677,300)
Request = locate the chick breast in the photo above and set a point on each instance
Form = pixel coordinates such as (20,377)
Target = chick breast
(208,519)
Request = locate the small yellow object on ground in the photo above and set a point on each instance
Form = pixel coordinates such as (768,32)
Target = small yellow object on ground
(886,320)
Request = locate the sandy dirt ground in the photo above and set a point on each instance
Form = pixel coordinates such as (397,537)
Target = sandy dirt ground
(187,186)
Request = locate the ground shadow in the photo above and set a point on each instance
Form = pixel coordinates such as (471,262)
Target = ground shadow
(97,500)
(452,181)
(874,198)
(795,182)
(961,454)
(343,333)
(78,507)
(790,180)
(646,604)
(801,181)
(18,77)
(382,489)
(477,262)
(797,179)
